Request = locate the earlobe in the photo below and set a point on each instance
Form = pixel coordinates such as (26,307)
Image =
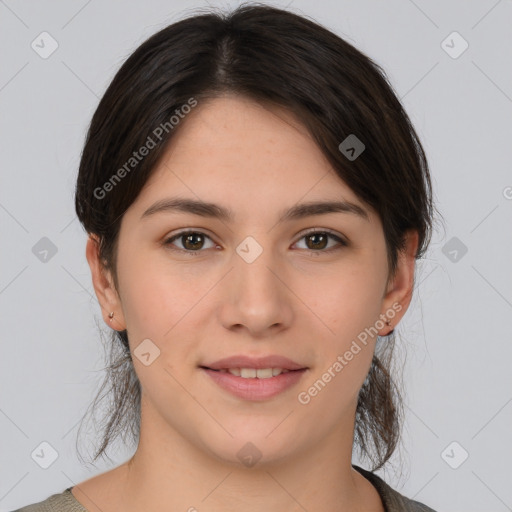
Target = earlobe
(104,288)
(399,290)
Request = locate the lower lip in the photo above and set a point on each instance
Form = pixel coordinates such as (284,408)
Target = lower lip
(254,388)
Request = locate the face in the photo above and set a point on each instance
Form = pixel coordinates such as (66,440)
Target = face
(265,279)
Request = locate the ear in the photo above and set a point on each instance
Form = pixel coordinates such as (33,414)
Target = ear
(398,294)
(103,283)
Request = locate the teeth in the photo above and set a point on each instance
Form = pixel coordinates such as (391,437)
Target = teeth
(251,373)
(264,373)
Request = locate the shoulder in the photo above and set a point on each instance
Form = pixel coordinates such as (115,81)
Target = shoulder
(61,502)
(393,501)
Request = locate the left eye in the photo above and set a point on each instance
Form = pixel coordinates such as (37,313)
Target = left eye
(319,240)
(193,241)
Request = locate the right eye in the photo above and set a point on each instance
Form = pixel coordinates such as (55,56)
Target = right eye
(191,241)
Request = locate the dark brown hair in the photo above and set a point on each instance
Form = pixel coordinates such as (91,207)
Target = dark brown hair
(277,58)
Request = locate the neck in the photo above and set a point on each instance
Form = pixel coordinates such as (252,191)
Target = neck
(168,472)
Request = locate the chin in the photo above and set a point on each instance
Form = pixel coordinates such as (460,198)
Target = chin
(253,445)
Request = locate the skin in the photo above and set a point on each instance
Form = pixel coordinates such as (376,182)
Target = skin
(293,300)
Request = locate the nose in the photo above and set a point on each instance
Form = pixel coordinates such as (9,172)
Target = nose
(256,297)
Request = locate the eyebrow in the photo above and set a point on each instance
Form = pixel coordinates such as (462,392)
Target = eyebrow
(299,211)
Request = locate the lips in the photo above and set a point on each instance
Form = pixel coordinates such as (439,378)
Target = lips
(252,378)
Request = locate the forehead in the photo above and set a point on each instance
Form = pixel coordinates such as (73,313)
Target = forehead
(236,152)
(237,130)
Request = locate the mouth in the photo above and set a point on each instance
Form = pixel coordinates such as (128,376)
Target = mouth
(256,380)
(253,373)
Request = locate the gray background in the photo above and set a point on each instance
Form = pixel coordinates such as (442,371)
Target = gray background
(457,331)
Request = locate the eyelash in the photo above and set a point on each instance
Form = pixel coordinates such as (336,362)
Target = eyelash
(331,234)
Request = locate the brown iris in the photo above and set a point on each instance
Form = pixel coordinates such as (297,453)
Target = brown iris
(320,240)
(190,241)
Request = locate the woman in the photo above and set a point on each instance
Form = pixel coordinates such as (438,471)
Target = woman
(255,198)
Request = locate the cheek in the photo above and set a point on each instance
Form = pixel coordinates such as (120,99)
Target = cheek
(344,351)
(350,304)
(157,296)
(159,306)
(349,308)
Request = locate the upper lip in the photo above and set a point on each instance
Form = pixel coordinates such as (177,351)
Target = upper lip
(242,361)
